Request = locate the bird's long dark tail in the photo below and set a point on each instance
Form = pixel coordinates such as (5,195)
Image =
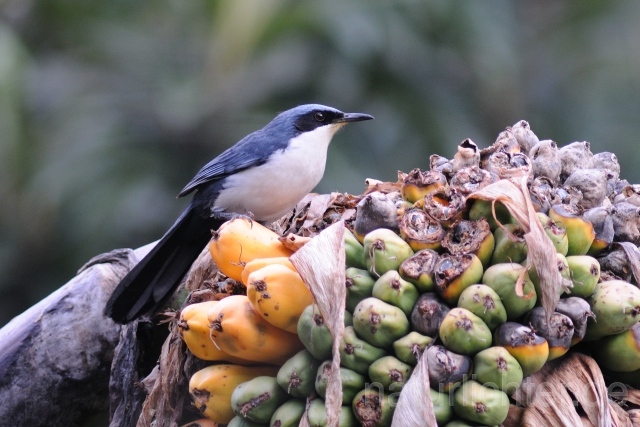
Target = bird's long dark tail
(152,281)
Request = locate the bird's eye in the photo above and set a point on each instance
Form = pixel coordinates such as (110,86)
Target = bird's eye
(319,116)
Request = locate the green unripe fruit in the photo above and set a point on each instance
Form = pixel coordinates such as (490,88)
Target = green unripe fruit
(373,408)
(502,278)
(616,305)
(379,323)
(390,372)
(480,404)
(317,415)
(485,303)
(563,269)
(392,289)
(354,251)
(482,209)
(419,269)
(315,335)
(556,232)
(579,230)
(510,246)
(455,273)
(351,381)
(441,406)
(288,414)
(384,250)
(620,352)
(258,399)
(585,273)
(243,422)
(359,284)
(410,346)
(357,354)
(463,332)
(496,367)
(297,375)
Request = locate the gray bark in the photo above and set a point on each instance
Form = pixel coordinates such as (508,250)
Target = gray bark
(55,358)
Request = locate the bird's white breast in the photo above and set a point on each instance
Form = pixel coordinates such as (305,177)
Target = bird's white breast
(270,190)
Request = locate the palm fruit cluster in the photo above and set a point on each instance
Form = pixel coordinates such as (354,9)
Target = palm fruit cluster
(432,269)
(247,337)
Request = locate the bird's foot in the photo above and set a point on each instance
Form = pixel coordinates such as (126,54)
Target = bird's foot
(228,216)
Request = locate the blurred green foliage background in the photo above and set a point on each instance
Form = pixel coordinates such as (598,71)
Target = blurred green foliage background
(108,108)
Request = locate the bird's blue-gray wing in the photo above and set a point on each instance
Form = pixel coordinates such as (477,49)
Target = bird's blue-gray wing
(220,168)
(247,153)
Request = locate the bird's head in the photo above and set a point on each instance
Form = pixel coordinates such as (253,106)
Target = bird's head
(311,117)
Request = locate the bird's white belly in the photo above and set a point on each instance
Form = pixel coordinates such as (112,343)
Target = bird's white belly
(271,190)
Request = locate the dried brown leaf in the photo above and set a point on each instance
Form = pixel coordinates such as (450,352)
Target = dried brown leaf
(315,213)
(620,417)
(320,263)
(632,396)
(304,421)
(383,187)
(634,417)
(415,408)
(165,404)
(201,270)
(633,255)
(514,417)
(540,250)
(548,395)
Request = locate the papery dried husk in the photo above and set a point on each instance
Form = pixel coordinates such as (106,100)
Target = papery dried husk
(626,222)
(633,256)
(315,212)
(304,421)
(628,193)
(634,416)
(540,191)
(548,395)
(468,155)
(609,163)
(622,418)
(320,263)
(167,385)
(576,155)
(414,407)
(441,164)
(522,132)
(468,180)
(592,183)
(381,186)
(541,253)
(375,210)
(508,143)
(545,160)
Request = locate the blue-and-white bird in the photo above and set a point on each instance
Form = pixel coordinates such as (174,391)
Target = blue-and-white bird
(265,174)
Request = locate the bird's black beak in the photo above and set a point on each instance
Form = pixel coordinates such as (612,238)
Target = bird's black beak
(353,117)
